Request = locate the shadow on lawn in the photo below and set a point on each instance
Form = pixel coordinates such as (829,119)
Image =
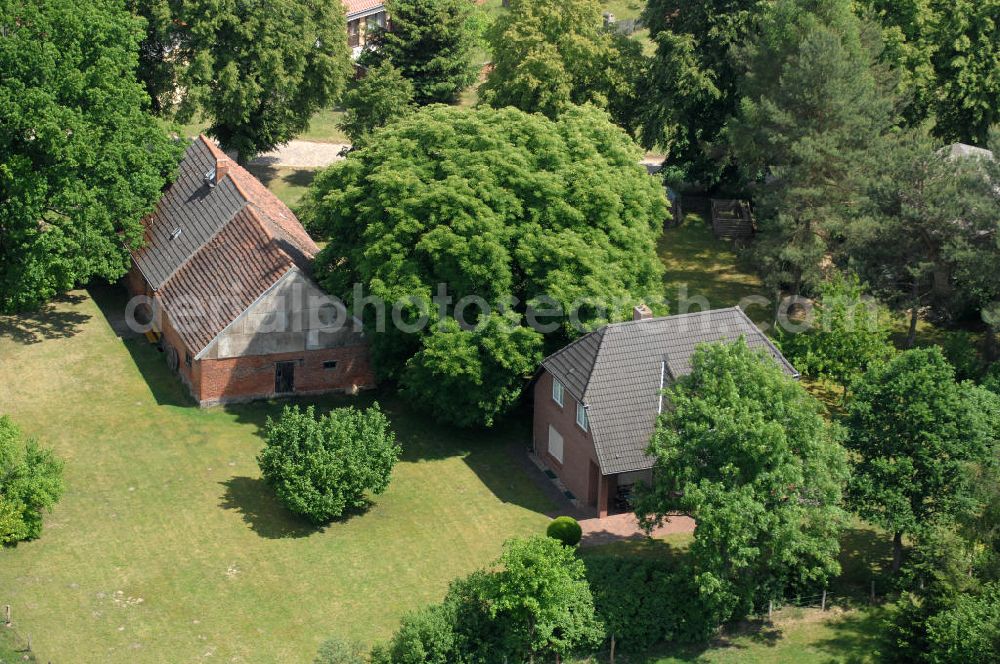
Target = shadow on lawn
(51,321)
(858,637)
(260,509)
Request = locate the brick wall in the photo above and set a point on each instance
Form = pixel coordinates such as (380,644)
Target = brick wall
(245,378)
(578,447)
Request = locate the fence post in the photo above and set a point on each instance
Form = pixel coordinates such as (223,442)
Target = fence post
(6,614)
(873,591)
(822,604)
(770,608)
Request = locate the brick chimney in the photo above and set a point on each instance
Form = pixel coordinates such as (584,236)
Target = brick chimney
(642,312)
(221,168)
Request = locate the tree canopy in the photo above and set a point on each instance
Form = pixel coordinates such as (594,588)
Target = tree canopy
(81,161)
(694,81)
(30,483)
(548,55)
(747,453)
(812,107)
(257,71)
(917,434)
(431,43)
(374,100)
(526,213)
(322,467)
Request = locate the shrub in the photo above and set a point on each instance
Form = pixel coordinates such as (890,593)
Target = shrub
(645,601)
(30,483)
(338,651)
(565,529)
(969,631)
(424,637)
(320,467)
(960,350)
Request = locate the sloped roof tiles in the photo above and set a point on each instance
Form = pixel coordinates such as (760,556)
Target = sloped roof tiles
(617,372)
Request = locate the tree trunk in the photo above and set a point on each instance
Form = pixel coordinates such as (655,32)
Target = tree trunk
(897,551)
(612,649)
(911,335)
(990,344)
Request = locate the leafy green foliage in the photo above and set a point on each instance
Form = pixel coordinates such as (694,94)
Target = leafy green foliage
(694,81)
(30,483)
(533,601)
(645,601)
(431,43)
(337,651)
(374,100)
(547,56)
(426,636)
(257,70)
(746,452)
(948,52)
(847,333)
(81,162)
(321,467)
(916,432)
(565,529)
(969,630)
(812,107)
(468,377)
(498,205)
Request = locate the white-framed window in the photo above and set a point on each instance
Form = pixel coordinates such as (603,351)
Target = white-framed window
(557,391)
(581,415)
(555,444)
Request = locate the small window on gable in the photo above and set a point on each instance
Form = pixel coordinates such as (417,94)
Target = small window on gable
(557,391)
(581,415)
(330,364)
(187,359)
(555,444)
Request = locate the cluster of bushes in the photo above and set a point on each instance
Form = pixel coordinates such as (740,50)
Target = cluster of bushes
(30,483)
(321,467)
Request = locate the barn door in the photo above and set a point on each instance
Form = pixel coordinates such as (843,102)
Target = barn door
(284,377)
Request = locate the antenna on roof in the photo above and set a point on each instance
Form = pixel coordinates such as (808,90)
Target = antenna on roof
(176,234)
(210,178)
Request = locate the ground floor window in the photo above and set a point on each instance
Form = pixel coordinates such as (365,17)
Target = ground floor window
(555,444)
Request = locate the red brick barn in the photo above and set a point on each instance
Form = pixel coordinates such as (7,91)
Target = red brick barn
(597,399)
(225,269)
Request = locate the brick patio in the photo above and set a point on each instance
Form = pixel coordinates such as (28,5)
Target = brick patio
(618,527)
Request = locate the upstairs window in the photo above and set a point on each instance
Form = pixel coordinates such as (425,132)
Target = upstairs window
(581,415)
(557,391)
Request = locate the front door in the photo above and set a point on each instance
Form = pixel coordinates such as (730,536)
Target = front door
(284,377)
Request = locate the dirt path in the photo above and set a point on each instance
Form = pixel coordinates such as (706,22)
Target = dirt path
(302,154)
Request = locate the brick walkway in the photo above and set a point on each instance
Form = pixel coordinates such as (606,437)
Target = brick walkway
(618,527)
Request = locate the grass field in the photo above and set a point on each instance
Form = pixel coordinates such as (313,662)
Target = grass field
(167,546)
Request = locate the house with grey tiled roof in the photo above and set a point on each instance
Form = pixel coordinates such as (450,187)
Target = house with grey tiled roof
(597,399)
(223,280)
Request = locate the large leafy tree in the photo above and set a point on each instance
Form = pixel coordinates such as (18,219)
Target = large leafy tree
(374,100)
(526,213)
(847,333)
(694,81)
(917,434)
(747,453)
(949,52)
(81,162)
(813,106)
(549,55)
(30,483)
(258,71)
(322,467)
(431,43)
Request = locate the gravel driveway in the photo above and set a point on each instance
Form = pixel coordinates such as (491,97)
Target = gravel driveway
(302,154)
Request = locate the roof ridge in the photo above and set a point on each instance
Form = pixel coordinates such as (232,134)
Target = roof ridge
(686,314)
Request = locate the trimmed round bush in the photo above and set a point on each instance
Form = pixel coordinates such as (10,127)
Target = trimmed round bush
(566,530)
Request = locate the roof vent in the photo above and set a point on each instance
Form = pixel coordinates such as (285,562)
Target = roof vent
(176,234)
(210,178)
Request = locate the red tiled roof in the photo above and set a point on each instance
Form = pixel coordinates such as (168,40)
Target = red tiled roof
(357,6)
(211,251)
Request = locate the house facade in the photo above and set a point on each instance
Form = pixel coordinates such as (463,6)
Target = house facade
(364,18)
(596,400)
(223,280)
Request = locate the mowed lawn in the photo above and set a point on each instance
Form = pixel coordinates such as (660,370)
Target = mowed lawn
(168,547)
